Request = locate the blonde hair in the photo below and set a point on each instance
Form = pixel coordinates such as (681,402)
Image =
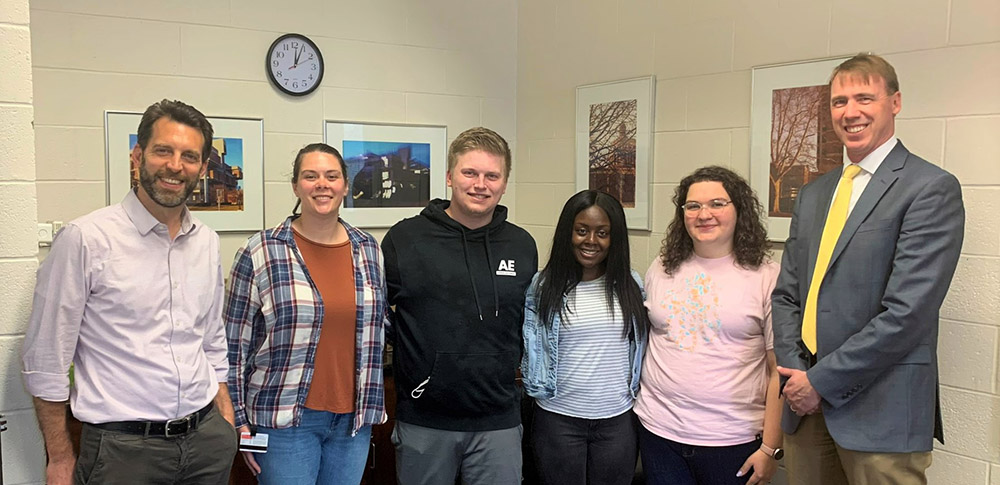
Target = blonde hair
(866,66)
(479,138)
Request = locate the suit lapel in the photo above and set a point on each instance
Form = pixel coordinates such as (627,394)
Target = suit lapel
(882,179)
(822,209)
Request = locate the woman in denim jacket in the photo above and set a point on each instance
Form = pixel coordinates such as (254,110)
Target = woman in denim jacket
(585,330)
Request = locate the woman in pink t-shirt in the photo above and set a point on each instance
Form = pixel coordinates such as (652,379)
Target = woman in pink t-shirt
(708,402)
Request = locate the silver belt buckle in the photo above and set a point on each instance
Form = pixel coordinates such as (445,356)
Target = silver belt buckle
(185,419)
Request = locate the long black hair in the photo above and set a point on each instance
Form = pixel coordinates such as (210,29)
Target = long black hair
(563,272)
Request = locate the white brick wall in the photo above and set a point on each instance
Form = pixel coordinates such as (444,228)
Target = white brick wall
(401,65)
(18,240)
(445,62)
(950,468)
(514,68)
(946,53)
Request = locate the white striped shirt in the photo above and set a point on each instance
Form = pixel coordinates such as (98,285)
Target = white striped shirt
(593,360)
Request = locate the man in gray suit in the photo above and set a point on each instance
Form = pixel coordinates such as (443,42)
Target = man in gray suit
(870,254)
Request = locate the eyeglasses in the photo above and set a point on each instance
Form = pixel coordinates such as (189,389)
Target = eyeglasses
(714,206)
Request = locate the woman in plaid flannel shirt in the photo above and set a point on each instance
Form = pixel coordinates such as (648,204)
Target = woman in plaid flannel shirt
(305,351)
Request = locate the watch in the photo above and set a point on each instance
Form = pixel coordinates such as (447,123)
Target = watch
(776,453)
(294,64)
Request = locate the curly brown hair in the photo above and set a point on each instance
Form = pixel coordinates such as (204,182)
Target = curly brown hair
(750,245)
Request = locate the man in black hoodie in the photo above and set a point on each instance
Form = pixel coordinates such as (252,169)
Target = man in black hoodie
(456,275)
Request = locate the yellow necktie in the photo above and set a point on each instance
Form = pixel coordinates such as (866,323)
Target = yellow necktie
(831,232)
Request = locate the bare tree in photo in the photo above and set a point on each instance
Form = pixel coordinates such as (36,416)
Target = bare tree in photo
(803,145)
(613,129)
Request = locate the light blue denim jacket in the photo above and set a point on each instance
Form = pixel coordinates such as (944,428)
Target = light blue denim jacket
(540,360)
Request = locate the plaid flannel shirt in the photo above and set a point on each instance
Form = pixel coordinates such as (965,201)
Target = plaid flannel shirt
(273,315)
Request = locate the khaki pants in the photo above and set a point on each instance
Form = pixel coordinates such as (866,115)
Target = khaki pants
(813,458)
(203,456)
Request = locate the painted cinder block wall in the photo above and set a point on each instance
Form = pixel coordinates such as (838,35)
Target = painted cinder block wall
(947,55)
(480,63)
(441,62)
(18,239)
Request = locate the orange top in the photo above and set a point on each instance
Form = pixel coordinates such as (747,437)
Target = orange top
(331,268)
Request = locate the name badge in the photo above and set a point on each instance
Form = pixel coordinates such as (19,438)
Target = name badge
(253,444)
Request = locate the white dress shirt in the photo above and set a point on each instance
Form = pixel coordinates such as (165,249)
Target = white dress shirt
(138,314)
(868,166)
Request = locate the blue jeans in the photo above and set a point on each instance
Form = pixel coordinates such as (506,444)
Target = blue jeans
(669,462)
(320,450)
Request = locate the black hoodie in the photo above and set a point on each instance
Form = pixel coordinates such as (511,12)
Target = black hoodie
(456,330)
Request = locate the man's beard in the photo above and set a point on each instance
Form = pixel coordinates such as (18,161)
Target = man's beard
(162,197)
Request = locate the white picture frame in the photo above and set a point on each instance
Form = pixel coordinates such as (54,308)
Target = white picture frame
(767,173)
(239,208)
(614,123)
(390,198)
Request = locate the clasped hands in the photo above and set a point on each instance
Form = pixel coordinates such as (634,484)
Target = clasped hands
(799,392)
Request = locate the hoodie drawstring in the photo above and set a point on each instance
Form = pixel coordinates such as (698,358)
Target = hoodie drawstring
(493,278)
(468,267)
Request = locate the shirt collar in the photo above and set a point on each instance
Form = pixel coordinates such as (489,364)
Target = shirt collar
(145,222)
(873,160)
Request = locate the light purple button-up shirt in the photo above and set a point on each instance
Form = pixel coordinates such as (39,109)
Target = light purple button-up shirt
(139,314)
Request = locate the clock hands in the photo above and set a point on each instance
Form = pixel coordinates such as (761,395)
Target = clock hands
(298,54)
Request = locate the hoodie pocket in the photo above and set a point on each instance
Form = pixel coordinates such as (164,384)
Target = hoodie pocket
(469,384)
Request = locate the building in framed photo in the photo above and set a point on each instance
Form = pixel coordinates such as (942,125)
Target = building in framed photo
(221,188)
(792,141)
(228,197)
(388,174)
(394,170)
(803,144)
(614,143)
(612,149)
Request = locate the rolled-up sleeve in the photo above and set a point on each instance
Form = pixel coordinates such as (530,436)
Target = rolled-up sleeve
(61,289)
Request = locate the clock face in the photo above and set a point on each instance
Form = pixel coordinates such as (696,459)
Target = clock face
(294,64)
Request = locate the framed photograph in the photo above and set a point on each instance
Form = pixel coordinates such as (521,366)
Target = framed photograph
(229,197)
(792,141)
(393,170)
(614,143)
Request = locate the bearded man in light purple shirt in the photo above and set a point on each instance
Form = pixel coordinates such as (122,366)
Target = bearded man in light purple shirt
(131,296)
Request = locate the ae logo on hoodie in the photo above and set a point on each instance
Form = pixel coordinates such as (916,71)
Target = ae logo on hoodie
(506,268)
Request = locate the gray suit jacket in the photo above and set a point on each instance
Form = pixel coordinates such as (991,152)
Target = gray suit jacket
(877,313)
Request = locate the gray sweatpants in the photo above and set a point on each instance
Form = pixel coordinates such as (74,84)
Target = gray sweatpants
(427,456)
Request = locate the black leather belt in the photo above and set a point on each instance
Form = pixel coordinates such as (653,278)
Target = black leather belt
(174,427)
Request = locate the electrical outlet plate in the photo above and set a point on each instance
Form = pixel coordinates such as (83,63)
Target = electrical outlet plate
(45,234)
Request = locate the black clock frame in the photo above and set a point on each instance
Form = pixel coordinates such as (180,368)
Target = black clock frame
(274,81)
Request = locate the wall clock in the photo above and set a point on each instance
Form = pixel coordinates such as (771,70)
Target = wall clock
(294,64)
